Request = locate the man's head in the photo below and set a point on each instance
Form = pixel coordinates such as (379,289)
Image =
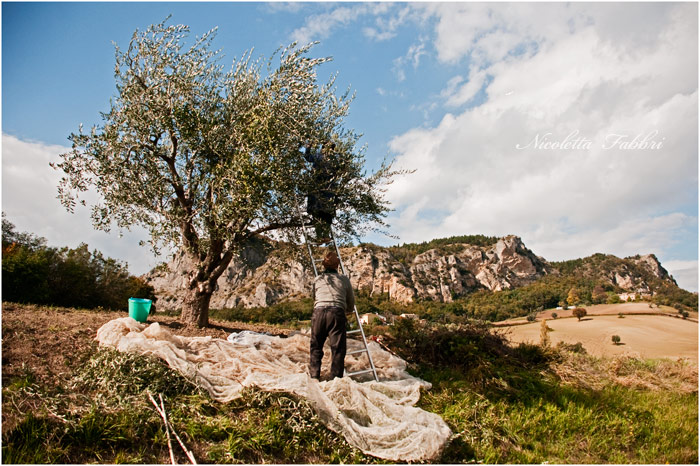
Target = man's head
(331,261)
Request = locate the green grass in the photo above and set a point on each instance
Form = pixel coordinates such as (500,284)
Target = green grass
(504,405)
(567,425)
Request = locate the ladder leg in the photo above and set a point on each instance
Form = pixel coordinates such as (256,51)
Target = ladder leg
(357,315)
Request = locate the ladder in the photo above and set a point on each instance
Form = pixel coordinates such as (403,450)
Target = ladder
(314,261)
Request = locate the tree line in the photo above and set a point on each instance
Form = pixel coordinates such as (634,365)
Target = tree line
(33,272)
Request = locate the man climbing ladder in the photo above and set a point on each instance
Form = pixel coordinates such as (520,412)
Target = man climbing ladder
(333,295)
(321,199)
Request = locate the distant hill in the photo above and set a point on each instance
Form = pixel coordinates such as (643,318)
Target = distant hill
(488,277)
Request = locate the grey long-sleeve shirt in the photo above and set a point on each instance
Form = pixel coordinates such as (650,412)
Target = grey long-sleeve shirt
(333,289)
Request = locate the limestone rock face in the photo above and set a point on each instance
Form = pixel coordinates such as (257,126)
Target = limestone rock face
(505,265)
(258,279)
(634,276)
(652,264)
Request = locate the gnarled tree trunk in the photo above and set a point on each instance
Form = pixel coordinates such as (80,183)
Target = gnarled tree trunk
(202,283)
(195,306)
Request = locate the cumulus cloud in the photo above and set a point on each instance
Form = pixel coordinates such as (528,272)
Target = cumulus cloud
(457,95)
(550,155)
(29,200)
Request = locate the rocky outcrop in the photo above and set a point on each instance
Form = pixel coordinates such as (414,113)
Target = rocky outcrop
(633,274)
(259,279)
(652,264)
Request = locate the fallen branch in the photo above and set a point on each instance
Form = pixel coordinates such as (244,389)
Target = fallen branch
(168,428)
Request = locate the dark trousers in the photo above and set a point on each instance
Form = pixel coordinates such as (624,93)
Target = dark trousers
(321,208)
(328,322)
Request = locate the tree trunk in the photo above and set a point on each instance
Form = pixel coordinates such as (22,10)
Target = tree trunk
(195,306)
(203,274)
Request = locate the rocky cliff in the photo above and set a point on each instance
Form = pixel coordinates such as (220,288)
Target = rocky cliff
(256,278)
(260,278)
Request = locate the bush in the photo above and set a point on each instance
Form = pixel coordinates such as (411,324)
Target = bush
(531,317)
(462,346)
(616,339)
(573,348)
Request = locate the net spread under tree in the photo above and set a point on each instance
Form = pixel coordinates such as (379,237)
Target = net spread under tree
(208,159)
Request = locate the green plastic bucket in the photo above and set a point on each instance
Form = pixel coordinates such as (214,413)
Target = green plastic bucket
(139,309)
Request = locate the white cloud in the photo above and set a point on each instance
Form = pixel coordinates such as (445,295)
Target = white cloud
(322,25)
(456,96)
(559,70)
(685,273)
(386,21)
(412,57)
(385,27)
(29,188)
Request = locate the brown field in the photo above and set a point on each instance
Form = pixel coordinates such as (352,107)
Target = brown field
(645,336)
(604,309)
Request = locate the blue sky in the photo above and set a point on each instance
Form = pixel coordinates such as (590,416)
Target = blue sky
(484,100)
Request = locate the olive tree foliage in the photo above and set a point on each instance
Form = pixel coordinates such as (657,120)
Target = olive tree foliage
(207,159)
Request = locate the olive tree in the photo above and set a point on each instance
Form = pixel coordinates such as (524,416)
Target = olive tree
(206,159)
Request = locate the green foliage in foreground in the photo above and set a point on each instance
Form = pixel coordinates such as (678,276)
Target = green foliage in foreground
(504,404)
(34,273)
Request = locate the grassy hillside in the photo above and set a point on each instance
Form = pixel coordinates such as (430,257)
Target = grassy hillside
(526,404)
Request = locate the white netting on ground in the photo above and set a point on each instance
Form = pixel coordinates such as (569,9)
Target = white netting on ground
(377,417)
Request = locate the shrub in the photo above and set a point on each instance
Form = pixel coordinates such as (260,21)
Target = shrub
(554,315)
(531,317)
(616,339)
(573,348)
(544,334)
(464,347)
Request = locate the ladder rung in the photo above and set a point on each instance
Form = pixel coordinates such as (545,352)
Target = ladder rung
(350,374)
(354,331)
(357,351)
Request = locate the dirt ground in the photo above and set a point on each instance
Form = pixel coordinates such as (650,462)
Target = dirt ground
(50,341)
(646,336)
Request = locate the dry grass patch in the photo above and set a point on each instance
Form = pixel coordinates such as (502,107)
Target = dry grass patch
(596,373)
